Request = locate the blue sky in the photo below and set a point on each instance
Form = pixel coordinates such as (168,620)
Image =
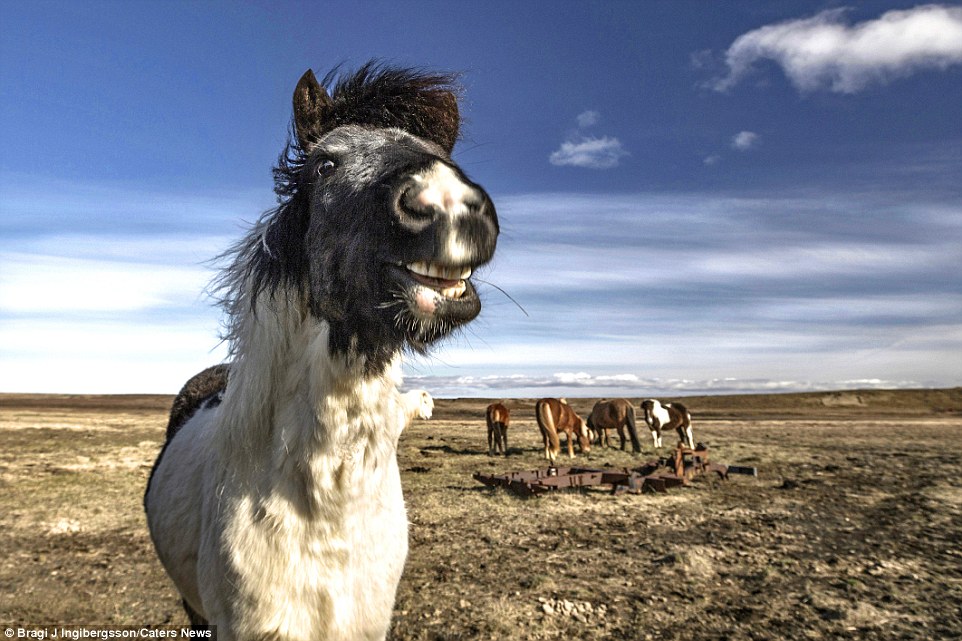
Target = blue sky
(695,197)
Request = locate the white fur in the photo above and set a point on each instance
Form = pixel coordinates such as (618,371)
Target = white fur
(657,418)
(443,189)
(417,404)
(279,513)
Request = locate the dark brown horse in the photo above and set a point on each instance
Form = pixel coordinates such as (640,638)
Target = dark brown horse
(554,417)
(498,419)
(616,414)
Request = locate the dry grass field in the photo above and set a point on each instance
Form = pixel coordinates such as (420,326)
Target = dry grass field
(853,528)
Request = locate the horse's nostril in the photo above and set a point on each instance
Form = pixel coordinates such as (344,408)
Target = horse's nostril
(412,203)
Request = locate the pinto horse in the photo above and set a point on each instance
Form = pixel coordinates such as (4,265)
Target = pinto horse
(660,417)
(276,504)
(616,414)
(498,419)
(555,416)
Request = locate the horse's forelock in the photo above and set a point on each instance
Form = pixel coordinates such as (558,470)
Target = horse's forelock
(423,103)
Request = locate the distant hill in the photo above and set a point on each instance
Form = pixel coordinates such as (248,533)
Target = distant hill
(842,404)
(846,403)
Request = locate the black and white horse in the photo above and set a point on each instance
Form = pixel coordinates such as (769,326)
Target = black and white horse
(661,417)
(276,504)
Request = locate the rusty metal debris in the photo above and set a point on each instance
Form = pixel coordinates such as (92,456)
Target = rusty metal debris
(657,475)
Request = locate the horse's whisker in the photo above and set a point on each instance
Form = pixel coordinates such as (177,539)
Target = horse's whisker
(487,282)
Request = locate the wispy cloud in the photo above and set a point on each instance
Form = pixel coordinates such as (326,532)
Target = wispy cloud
(744,140)
(588,118)
(46,283)
(807,290)
(822,52)
(591,152)
(631,294)
(118,354)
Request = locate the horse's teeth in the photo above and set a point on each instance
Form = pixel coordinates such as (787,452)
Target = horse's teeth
(454,292)
(433,270)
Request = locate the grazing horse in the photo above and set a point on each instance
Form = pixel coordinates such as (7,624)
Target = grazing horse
(616,414)
(498,419)
(660,417)
(275,505)
(554,417)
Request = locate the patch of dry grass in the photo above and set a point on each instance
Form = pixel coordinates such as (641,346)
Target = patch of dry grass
(851,529)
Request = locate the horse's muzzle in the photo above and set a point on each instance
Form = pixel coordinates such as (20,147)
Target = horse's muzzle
(452,220)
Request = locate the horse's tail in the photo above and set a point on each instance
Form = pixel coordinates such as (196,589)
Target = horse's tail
(686,421)
(632,430)
(548,428)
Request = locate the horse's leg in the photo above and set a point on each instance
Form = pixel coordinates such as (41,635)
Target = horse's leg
(504,438)
(654,439)
(621,437)
(570,437)
(691,437)
(632,431)
(197,622)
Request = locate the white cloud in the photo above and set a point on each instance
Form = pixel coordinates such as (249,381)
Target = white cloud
(588,118)
(744,140)
(713,159)
(822,52)
(631,385)
(590,152)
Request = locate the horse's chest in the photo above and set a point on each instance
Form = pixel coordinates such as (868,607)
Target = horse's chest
(323,566)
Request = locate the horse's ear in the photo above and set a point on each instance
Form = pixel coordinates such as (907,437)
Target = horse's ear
(312,106)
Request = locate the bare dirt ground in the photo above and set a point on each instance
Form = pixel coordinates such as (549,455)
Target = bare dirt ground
(852,530)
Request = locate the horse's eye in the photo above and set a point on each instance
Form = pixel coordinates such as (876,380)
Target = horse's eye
(325,167)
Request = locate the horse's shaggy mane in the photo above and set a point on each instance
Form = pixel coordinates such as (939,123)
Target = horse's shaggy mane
(421,103)
(271,258)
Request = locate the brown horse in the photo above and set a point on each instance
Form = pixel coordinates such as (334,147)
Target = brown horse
(615,414)
(556,416)
(666,416)
(498,419)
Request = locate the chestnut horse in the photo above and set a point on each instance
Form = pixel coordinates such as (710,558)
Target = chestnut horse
(556,416)
(666,416)
(498,419)
(616,414)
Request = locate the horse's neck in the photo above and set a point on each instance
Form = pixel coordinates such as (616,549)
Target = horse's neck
(289,397)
